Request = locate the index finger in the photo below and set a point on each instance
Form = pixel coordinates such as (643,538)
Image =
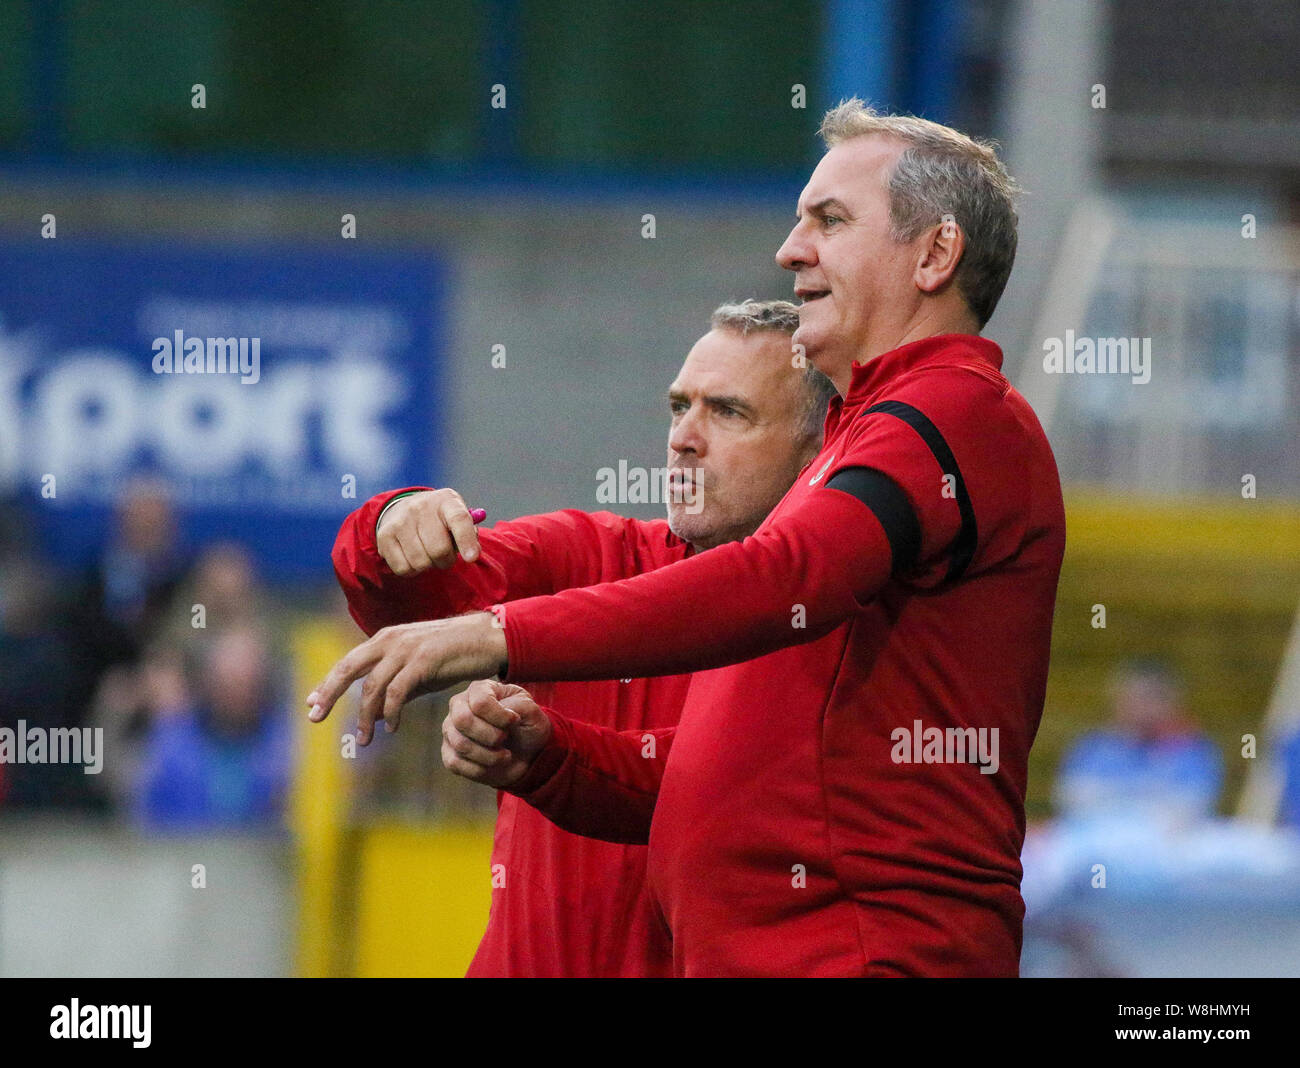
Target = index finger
(456,516)
(355,664)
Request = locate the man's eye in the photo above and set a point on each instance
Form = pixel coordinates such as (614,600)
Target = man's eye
(831,220)
(676,407)
(724,410)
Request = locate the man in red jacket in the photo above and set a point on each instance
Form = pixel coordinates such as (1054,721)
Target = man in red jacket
(844,795)
(745,419)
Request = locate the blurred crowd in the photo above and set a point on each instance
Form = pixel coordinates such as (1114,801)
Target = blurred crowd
(174,654)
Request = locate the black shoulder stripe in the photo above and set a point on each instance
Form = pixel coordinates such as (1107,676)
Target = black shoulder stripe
(963,546)
(889,504)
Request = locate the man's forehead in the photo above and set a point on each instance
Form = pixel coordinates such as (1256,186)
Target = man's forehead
(725,363)
(850,170)
(712,363)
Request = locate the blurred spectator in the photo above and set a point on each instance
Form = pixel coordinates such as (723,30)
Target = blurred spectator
(225,582)
(221,591)
(1153,762)
(17,536)
(131,698)
(222,759)
(220,594)
(37,685)
(129,586)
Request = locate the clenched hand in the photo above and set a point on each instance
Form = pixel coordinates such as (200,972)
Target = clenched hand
(492,732)
(427,529)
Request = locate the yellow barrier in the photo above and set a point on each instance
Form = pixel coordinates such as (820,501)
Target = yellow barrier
(422,899)
(1228,554)
(1267,532)
(382,900)
(318,808)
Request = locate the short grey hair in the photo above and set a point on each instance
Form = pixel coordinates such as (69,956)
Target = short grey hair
(747,316)
(750,316)
(942,172)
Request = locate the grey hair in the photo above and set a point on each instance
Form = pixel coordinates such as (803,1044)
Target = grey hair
(943,175)
(749,316)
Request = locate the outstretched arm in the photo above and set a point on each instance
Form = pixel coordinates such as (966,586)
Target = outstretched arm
(793,582)
(814,564)
(733,603)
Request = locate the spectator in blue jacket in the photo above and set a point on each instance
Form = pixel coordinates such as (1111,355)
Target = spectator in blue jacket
(1153,761)
(222,762)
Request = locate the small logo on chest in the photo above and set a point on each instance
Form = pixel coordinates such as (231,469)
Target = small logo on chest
(818,477)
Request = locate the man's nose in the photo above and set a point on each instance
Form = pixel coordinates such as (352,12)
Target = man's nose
(796,252)
(686,437)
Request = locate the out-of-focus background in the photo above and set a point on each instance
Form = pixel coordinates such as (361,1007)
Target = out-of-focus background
(474,242)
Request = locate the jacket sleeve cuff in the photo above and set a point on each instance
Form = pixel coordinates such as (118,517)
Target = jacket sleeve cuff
(392,501)
(549,761)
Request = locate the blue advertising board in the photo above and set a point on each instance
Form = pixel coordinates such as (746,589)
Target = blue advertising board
(272,390)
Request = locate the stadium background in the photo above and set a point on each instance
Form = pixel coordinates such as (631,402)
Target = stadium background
(1167,213)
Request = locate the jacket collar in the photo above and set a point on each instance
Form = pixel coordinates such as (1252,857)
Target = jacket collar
(869,379)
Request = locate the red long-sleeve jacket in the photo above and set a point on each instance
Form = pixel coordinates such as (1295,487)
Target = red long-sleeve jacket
(561,905)
(848,797)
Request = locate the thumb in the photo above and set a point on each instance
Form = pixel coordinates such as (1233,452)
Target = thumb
(532,730)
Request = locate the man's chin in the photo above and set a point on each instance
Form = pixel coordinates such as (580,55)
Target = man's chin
(692,527)
(824,357)
(809,340)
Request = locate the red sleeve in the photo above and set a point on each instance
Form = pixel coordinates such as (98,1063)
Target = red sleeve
(815,565)
(525,557)
(378,598)
(598,782)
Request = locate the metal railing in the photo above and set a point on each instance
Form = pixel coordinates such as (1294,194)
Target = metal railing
(1219,315)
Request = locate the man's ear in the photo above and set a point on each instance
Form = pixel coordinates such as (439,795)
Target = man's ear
(941,250)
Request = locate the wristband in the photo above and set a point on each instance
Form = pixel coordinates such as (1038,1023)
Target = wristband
(383,511)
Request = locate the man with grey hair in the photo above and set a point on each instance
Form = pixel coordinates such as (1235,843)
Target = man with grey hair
(745,418)
(907,229)
(892,611)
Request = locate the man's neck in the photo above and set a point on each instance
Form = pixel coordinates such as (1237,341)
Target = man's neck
(895,337)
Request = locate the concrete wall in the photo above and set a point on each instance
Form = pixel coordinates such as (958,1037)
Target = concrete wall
(89,902)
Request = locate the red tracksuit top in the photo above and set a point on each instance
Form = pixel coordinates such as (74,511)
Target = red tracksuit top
(569,906)
(789,836)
